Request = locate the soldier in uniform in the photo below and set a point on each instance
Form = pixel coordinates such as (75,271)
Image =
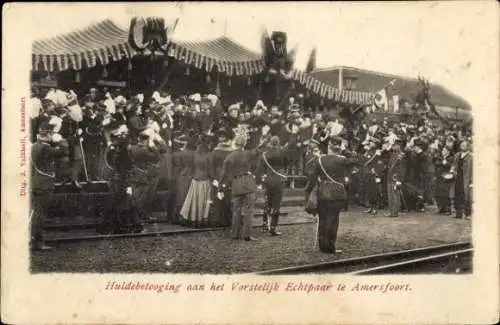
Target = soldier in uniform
(236,173)
(462,169)
(120,216)
(62,164)
(374,171)
(73,134)
(222,206)
(328,173)
(145,156)
(43,154)
(93,143)
(293,146)
(396,171)
(444,181)
(271,172)
(42,118)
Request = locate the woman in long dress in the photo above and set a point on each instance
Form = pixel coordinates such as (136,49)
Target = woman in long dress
(197,204)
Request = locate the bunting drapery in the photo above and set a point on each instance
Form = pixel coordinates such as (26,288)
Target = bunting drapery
(329,92)
(229,57)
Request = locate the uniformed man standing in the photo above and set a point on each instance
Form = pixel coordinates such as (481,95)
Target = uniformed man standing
(222,206)
(271,173)
(236,173)
(374,169)
(144,177)
(328,173)
(43,154)
(120,216)
(396,171)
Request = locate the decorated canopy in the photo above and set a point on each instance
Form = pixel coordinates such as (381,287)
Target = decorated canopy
(105,42)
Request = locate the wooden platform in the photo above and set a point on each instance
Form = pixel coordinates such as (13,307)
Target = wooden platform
(73,205)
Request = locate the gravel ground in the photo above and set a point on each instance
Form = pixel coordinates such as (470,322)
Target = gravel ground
(215,252)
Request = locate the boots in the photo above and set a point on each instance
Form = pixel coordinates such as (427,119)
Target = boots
(274,232)
(274,223)
(265,223)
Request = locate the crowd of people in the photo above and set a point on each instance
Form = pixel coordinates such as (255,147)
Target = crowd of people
(211,157)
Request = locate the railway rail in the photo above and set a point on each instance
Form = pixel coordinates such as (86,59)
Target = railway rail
(449,258)
(65,234)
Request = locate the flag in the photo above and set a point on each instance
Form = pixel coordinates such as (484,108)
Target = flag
(267,47)
(290,59)
(380,100)
(311,63)
(171,28)
(395,101)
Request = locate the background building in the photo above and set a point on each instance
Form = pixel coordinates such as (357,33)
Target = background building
(400,95)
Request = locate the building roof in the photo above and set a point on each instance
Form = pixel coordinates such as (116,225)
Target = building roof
(105,42)
(405,87)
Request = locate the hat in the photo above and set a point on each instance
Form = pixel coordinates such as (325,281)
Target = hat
(275,141)
(223,133)
(240,141)
(294,115)
(146,133)
(119,129)
(234,107)
(72,97)
(101,105)
(120,101)
(293,108)
(181,140)
(399,141)
(260,103)
(46,102)
(195,97)
(206,99)
(45,129)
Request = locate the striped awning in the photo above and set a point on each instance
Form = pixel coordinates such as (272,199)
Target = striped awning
(228,56)
(105,42)
(329,92)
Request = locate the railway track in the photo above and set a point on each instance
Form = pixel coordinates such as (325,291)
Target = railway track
(448,258)
(94,225)
(88,233)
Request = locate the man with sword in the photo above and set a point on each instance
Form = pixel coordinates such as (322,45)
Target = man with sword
(327,175)
(44,152)
(271,173)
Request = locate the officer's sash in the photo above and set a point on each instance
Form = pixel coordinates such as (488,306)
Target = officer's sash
(271,167)
(327,175)
(51,175)
(329,189)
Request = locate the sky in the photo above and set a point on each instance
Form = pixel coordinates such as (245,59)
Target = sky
(440,40)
